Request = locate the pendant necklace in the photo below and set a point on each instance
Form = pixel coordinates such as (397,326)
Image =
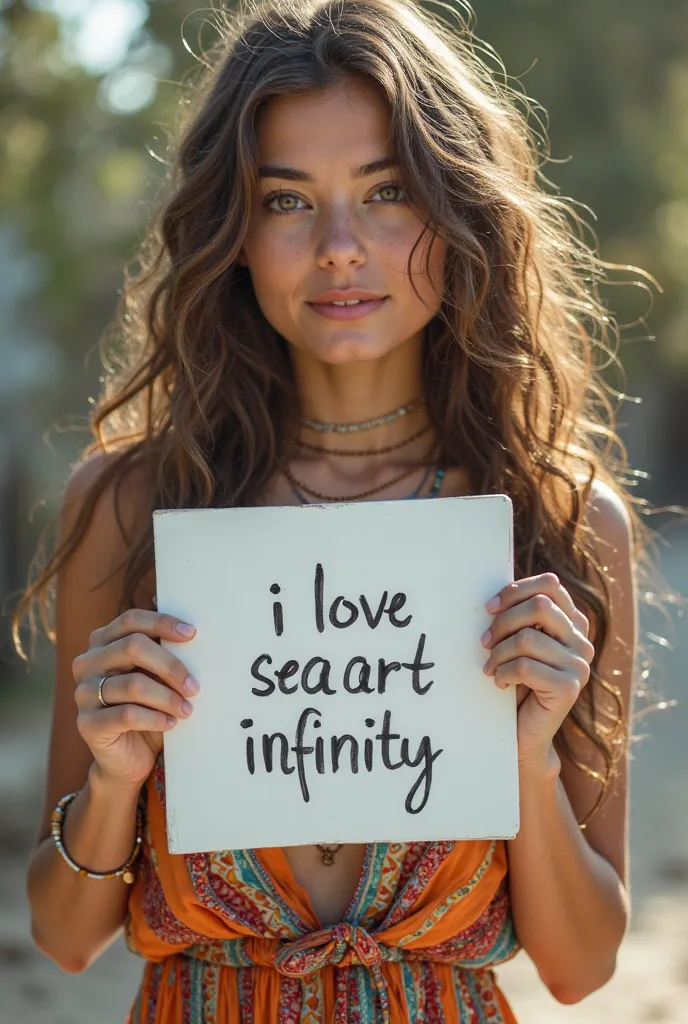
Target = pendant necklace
(327,852)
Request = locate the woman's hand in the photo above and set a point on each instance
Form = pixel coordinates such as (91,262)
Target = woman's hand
(147,688)
(538,642)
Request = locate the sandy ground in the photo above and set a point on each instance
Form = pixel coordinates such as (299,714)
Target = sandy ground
(651,982)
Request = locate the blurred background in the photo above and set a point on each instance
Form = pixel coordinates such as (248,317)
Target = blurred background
(87,88)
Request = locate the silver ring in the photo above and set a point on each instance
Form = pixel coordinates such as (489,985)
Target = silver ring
(100,693)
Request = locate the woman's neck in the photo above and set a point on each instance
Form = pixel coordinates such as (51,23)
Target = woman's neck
(358,392)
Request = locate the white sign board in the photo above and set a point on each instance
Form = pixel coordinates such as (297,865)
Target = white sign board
(342,694)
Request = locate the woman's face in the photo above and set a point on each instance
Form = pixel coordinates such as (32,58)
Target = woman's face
(330,216)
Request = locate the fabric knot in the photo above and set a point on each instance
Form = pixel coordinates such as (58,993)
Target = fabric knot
(342,945)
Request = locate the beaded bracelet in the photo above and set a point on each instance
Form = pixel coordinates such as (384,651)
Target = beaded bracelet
(125,872)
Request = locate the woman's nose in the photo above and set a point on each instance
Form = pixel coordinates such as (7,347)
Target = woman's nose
(340,242)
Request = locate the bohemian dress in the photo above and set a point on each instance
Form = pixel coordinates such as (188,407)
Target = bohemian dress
(230,937)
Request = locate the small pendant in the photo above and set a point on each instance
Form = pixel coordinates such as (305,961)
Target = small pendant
(327,853)
(129,877)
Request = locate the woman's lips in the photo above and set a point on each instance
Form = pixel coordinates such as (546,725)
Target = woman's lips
(361,309)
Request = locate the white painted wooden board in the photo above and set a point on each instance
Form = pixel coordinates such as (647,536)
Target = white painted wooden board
(448,556)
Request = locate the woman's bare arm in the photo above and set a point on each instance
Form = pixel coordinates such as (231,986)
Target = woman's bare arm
(75,919)
(569,888)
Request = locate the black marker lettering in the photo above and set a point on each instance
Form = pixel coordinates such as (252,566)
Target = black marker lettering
(319,752)
(397,602)
(318,590)
(424,754)
(336,744)
(383,670)
(417,666)
(289,669)
(246,723)
(277,616)
(263,679)
(363,676)
(373,620)
(351,608)
(323,684)
(301,751)
(368,746)
(385,737)
(268,743)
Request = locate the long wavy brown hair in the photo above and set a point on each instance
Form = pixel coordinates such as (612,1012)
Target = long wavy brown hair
(199,387)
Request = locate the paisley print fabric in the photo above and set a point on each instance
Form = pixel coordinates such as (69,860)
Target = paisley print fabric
(231,938)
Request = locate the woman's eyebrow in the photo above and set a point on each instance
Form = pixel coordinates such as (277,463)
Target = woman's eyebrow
(293,174)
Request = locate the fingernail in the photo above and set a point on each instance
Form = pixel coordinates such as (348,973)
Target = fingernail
(185,629)
(191,685)
(186,707)
(486,667)
(486,637)
(493,604)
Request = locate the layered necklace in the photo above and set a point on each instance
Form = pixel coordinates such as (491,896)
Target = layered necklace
(300,489)
(354,428)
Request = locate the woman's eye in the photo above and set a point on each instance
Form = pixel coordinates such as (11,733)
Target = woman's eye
(282,202)
(288,202)
(391,193)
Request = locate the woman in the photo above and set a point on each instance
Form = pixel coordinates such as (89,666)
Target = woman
(357,291)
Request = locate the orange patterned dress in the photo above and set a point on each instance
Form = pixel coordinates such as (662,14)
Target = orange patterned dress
(231,938)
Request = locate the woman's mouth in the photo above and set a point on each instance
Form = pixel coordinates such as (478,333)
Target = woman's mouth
(348,309)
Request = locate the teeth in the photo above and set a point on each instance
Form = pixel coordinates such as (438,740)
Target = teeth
(349,302)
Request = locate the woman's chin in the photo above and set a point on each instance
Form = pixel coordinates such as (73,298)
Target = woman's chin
(341,351)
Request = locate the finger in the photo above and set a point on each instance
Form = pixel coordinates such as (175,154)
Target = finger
(532,644)
(143,620)
(105,724)
(538,611)
(136,651)
(551,686)
(546,583)
(134,688)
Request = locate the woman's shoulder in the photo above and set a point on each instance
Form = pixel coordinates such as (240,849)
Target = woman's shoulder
(609,519)
(108,488)
(607,506)
(105,508)
(104,468)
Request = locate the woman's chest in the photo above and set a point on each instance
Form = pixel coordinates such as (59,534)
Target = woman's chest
(330,881)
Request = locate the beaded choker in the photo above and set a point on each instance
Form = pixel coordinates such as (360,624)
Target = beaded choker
(349,428)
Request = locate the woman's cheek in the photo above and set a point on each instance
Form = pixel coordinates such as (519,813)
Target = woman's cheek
(427,269)
(274,260)
(399,244)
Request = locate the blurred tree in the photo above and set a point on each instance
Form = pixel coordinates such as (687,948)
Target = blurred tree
(613,78)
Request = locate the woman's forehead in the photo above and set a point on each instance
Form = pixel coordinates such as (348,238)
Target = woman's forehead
(349,126)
